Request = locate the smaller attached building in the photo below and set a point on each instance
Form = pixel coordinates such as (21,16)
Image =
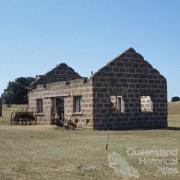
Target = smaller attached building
(62,93)
(127,93)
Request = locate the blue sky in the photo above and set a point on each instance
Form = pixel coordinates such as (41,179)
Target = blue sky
(36,35)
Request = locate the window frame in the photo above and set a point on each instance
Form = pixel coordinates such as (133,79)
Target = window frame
(39,105)
(119,106)
(77,104)
(150,104)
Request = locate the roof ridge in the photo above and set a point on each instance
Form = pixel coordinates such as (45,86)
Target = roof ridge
(130,49)
(61,65)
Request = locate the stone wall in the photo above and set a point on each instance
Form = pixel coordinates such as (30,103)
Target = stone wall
(127,93)
(131,77)
(60,73)
(78,87)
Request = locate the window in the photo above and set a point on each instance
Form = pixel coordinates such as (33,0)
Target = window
(146,104)
(117,104)
(39,106)
(77,103)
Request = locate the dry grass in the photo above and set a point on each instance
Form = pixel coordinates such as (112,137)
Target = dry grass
(48,152)
(174,108)
(174,114)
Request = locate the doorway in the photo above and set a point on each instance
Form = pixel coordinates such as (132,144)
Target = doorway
(57,111)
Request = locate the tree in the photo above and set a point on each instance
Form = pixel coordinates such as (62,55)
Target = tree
(175,98)
(17,91)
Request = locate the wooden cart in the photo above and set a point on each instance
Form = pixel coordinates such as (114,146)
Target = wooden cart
(23,118)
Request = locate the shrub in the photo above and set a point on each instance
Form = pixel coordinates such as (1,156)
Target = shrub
(175,98)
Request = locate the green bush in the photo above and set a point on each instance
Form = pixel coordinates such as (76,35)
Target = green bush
(175,98)
(17,91)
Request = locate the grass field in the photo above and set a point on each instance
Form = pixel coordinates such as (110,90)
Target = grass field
(174,114)
(49,152)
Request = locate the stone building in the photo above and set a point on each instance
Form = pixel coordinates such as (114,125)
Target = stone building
(127,93)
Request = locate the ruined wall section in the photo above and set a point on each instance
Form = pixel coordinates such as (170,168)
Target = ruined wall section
(131,77)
